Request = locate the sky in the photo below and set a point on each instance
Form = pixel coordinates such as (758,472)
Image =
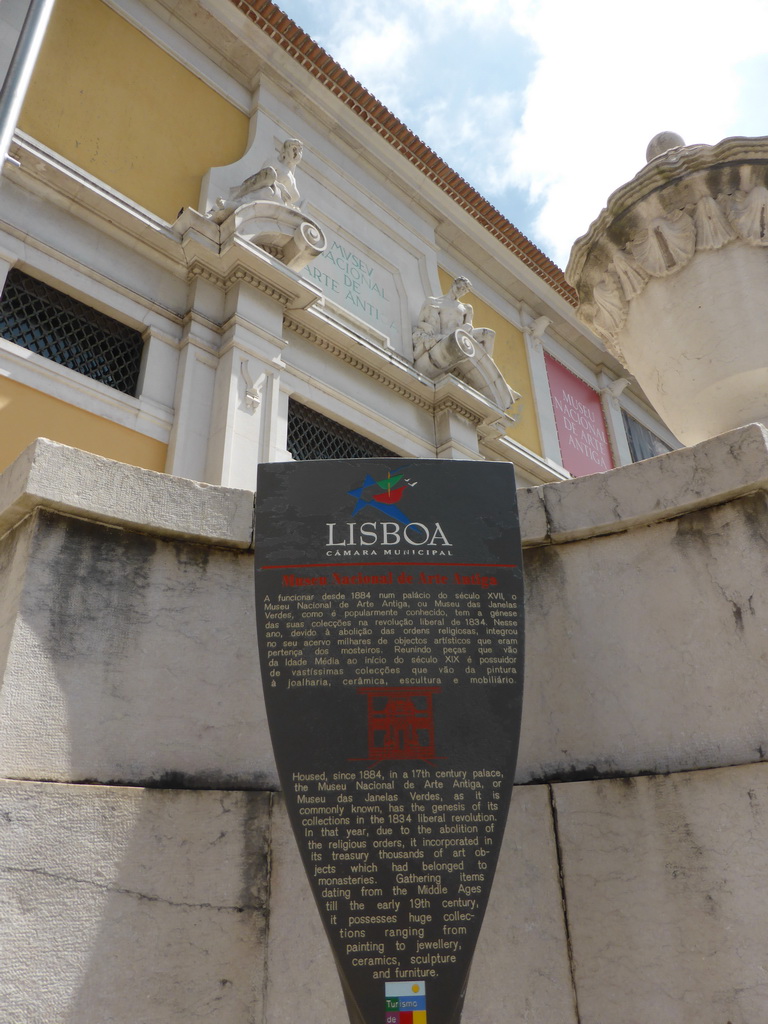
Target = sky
(547,106)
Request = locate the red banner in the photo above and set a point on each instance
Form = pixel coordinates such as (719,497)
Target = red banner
(581,429)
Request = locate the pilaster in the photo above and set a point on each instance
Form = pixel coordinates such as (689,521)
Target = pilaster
(157,381)
(534,333)
(248,369)
(239,295)
(610,390)
(195,379)
(455,435)
(7,261)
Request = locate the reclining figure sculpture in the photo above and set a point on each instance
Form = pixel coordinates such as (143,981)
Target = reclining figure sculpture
(275,184)
(446,341)
(266,211)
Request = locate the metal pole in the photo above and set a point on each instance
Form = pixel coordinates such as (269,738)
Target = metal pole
(20,69)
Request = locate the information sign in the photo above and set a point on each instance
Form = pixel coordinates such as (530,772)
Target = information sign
(390,623)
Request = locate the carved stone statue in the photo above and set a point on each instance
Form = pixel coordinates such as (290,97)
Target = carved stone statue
(446,341)
(439,318)
(266,212)
(275,184)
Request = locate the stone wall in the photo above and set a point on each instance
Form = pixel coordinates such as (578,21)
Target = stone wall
(148,871)
(647,624)
(132,904)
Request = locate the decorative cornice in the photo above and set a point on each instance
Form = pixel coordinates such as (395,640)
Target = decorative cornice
(197,269)
(237,274)
(364,366)
(690,199)
(379,366)
(240,275)
(451,405)
(306,52)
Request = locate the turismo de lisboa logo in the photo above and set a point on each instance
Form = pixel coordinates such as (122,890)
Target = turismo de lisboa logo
(383,495)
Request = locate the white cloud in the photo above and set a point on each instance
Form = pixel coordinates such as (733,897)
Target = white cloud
(469,134)
(378,50)
(608,78)
(565,114)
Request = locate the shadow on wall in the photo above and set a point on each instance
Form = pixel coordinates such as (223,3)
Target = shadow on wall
(142,651)
(132,662)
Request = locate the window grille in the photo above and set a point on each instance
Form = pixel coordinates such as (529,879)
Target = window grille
(313,436)
(58,327)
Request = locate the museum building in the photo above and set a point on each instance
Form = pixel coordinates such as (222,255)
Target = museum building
(138,324)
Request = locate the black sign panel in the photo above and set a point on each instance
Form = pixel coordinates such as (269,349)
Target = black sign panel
(390,622)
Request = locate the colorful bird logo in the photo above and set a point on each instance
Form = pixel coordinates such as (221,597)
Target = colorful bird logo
(382,494)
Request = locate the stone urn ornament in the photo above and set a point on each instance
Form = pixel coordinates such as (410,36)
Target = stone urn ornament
(673,275)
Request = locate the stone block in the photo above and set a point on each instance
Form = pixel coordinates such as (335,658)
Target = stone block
(131,906)
(54,476)
(520,971)
(534,525)
(14,553)
(718,470)
(133,660)
(646,649)
(300,970)
(663,882)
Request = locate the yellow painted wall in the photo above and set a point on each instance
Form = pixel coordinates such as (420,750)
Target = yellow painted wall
(510,357)
(111,101)
(26,414)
